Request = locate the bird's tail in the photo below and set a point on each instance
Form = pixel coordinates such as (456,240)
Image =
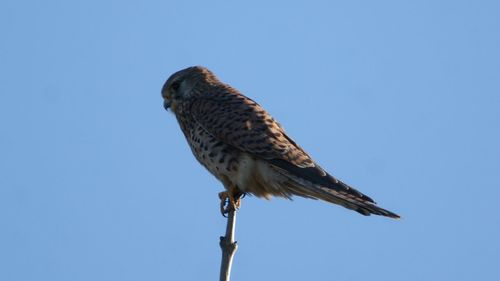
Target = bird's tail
(315,183)
(327,194)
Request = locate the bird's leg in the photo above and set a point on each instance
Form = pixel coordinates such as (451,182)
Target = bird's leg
(237,200)
(229,200)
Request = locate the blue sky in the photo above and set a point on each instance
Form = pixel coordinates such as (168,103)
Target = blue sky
(400,99)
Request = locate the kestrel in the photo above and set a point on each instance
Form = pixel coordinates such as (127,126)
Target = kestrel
(235,139)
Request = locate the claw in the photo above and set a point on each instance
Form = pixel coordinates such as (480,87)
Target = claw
(223,196)
(228,202)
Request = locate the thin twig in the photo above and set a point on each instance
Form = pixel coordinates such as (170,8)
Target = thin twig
(228,247)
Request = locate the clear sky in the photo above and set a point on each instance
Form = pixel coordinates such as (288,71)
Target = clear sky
(400,99)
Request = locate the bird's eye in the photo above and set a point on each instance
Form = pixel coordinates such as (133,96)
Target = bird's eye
(175,86)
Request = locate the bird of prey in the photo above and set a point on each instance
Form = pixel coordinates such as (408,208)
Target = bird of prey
(246,149)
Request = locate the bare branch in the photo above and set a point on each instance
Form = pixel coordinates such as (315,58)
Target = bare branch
(228,247)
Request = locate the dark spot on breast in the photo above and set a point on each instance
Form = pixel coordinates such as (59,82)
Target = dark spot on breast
(221,160)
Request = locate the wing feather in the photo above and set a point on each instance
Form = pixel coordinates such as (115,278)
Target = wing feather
(242,123)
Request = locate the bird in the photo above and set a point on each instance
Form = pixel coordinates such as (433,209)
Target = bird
(246,149)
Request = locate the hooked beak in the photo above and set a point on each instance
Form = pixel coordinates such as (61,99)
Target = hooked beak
(166,104)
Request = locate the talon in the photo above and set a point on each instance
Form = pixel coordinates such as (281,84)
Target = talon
(228,202)
(223,196)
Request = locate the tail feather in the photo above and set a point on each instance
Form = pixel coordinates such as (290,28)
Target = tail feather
(331,190)
(362,207)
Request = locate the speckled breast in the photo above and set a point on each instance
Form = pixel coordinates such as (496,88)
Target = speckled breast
(219,158)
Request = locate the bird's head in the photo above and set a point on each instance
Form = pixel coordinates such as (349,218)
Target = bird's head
(186,84)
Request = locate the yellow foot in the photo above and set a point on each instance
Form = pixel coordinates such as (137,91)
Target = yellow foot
(228,202)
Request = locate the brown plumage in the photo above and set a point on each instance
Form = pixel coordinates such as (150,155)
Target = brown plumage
(246,149)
